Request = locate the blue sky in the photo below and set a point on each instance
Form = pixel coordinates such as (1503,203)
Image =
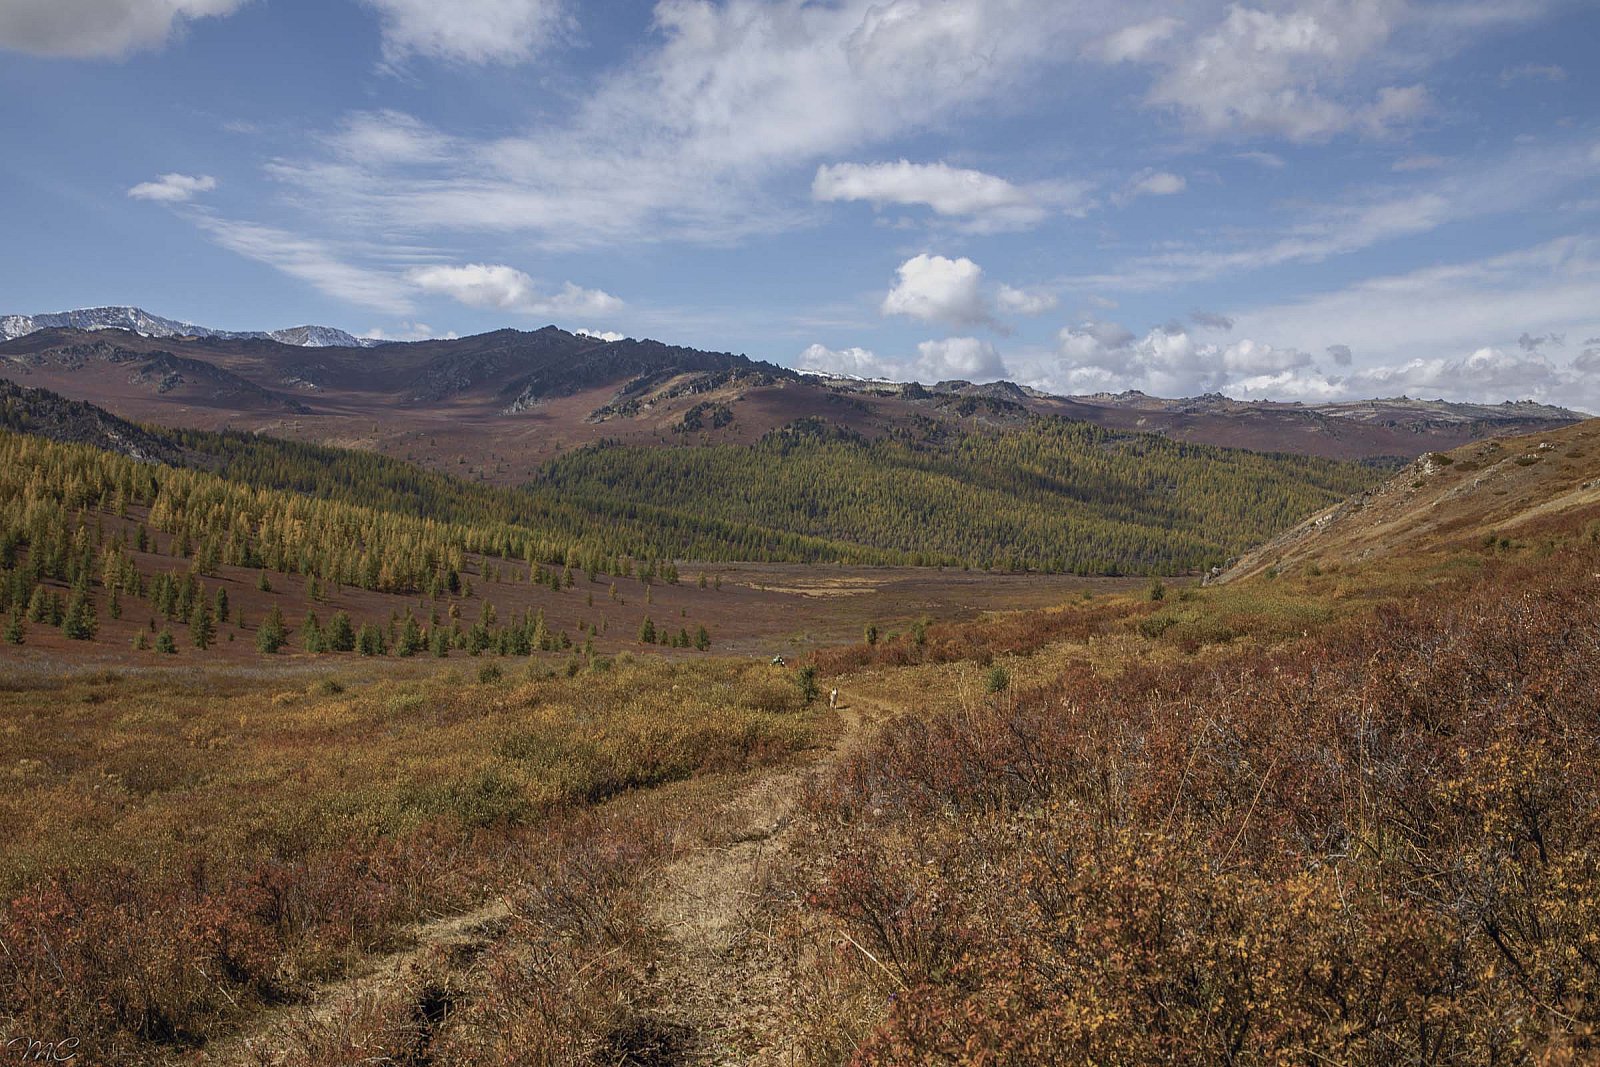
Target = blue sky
(1301,199)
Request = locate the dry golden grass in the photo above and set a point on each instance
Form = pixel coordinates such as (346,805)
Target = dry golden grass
(229,841)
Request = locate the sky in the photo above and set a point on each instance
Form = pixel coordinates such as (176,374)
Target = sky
(1272,199)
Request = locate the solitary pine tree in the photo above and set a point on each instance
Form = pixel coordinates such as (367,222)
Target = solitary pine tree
(202,630)
(39,605)
(807,680)
(272,635)
(370,641)
(411,639)
(312,637)
(79,622)
(341,635)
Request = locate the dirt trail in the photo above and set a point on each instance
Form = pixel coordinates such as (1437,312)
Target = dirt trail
(462,936)
(721,973)
(720,977)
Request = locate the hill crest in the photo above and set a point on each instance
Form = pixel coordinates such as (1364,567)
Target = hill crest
(1502,487)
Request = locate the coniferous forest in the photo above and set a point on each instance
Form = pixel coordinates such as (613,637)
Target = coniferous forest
(1057,496)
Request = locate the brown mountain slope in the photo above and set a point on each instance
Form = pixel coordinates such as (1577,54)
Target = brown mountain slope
(1397,427)
(494,407)
(497,406)
(1390,428)
(1502,488)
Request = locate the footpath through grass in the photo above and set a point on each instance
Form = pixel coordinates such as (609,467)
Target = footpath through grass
(185,846)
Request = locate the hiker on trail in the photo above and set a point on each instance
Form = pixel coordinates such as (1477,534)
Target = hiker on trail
(833,699)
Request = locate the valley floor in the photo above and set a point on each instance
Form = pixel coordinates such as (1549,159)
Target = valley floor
(1344,809)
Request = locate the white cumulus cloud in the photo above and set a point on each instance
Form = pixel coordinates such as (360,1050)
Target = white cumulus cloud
(1483,330)
(409,331)
(854,362)
(173,188)
(602,335)
(503,288)
(1025,301)
(936,289)
(1167,361)
(99,28)
(965,358)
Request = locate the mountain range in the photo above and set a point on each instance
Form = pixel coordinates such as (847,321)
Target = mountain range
(499,406)
(139,321)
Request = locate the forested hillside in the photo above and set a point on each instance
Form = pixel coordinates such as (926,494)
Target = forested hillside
(1054,496)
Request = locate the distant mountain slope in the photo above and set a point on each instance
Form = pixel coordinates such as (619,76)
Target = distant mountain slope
(1502,487)
(154,371)
(1392,428)
(140,321)
(44,414)
(1395,426)
(498,406)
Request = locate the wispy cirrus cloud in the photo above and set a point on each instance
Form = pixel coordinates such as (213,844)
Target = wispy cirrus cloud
(1466,191)
(469,31)
(1545,72)
(984,202)
(313,261)
(173,188)
(682,143)
(1304,71)
(1152,183)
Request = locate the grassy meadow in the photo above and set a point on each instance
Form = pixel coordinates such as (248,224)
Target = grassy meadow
(185,846)
(1344,810)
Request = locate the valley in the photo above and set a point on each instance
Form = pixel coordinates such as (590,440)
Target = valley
(963,736)
(622,855)
(800,533)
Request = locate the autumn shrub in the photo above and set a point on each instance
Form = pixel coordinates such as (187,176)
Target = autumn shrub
(1377,844)
(189,847)
(573,959)
(1013,633)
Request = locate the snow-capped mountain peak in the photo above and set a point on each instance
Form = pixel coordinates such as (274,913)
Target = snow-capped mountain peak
(320,337)
(139,321)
